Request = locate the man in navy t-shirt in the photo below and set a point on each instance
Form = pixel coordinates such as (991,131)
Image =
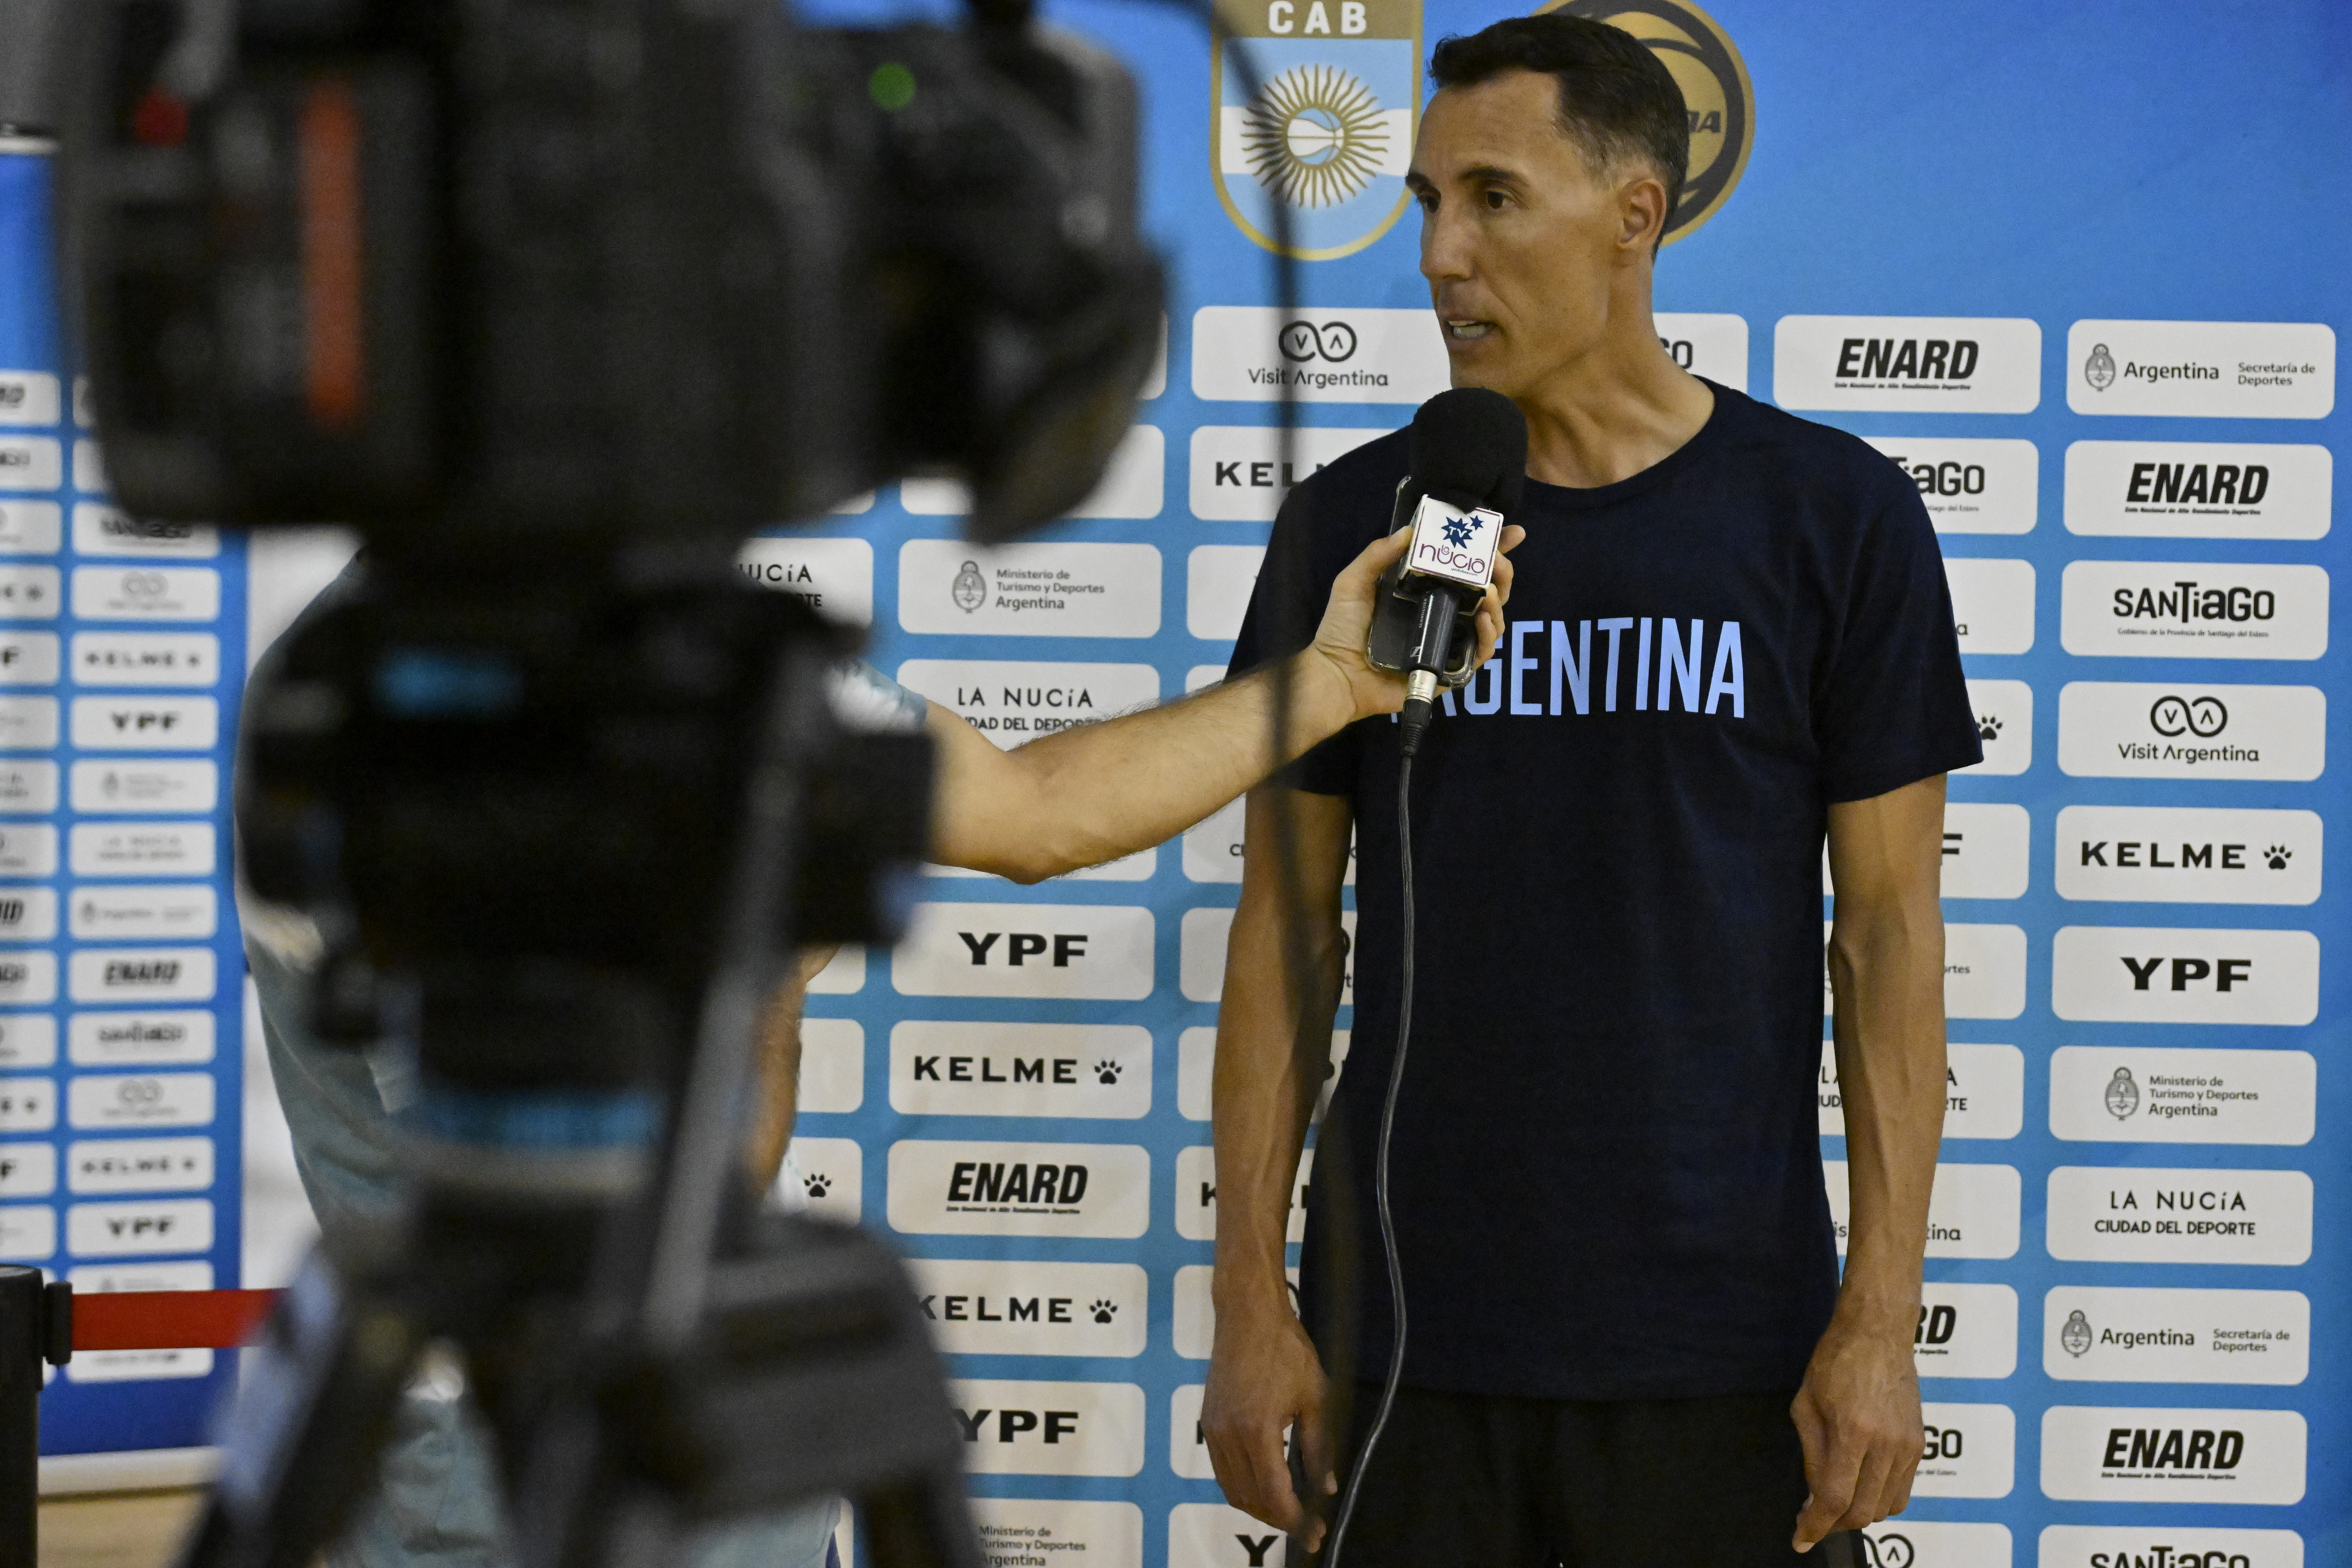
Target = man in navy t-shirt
(1628,1343)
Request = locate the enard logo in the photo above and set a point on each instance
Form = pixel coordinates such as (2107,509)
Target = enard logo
(1721,103)
(1325,128)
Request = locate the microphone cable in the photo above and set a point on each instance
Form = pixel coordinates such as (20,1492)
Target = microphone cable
(1380,1172)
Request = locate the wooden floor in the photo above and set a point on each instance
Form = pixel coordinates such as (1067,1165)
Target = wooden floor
(115,1529)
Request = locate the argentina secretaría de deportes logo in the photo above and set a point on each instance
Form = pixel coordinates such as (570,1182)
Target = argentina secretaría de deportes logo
(2075,1337)
(1328,130)
(2122,1094)
(1717,94)
(2099,370)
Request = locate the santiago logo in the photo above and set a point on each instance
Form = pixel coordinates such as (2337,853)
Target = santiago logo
(2204,717)
(2099,370)
(2074,1339)
(970,589)
(1716,93)
(2123,1095)
(1328,132)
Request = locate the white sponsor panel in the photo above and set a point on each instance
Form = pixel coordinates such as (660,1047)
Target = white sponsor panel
(1992,603)
(1925,1543)
(28,978)
(842,976)
(1973,1211)
(2190,609)
(28,1040)
(28,723)
(2198,490)
(28,1104)
(975,1188)
(37,462)
(146,658)
(142,975)
(831,1176)
(2163,1546)
(1217,1535)
(145,1226)
(28,786)
(1094,951)
(1966,1330)
(1014,701)
(1706,343)
(833,1064)
(139,1165)
(2004,715)
(948,586)
(2201,370)
(28,592)
(1985,850)
(2175,974)
(28,398)
(144,785)
(146,723)
(1913,364)
(89,468)
(1001,1306)
(1196,1068)
(1213,850)
(140,1100)
(28,1233)
(1984,1091)
(1237,474)
(1201,955)
(2191,730)
(27,1170)
(137,1366)
(30,527)
(163,911)
(1133,484)
(2131,1454)
(2146,1094)
(1971,1451)
(102,529)
(1253,353)
(1015,1532)
(103,1278)
(140,1038)
(29,658)
(27,849)
(1035,1428)
(2189,855)
(2122,1335)
(1196,1193)
(1083,1071)
(1970,484)
(834,577)
(1984,970)
(2125,1214)
(1188,1445)
(1196,1308)
(1217,582)
(27,914)
(146,593)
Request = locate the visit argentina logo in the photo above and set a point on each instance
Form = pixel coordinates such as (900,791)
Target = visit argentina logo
(1321,122)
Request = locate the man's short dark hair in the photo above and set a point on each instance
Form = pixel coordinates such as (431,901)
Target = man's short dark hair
(1618,103)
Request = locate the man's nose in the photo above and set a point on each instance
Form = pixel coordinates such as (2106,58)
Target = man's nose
(1447,247)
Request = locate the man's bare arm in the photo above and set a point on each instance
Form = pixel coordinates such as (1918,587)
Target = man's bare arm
(1097,792)
(1274,1046)
(1858,1413)
(779,1069)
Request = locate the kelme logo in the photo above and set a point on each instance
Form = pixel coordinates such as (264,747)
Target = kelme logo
(1320,119)
(1717,94)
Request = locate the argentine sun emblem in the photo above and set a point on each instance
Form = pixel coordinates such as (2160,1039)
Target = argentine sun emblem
(1320,119)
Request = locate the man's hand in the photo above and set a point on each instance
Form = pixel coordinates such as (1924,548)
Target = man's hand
(1264,1375)
(1857,1416)
(1338,645)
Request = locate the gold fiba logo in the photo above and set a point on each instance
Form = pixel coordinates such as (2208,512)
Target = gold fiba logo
(1705,64)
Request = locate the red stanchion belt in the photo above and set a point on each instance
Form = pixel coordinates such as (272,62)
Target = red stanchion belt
(167,1320)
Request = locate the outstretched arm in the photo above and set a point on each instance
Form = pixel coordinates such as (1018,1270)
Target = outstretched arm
(1097,792)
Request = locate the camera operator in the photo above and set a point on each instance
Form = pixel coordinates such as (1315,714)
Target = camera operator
(1080,797)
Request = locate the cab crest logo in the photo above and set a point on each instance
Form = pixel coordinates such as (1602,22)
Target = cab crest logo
(1717,94)
(1318,117)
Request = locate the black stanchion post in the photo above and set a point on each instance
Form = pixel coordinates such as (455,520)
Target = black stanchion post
(24,1314)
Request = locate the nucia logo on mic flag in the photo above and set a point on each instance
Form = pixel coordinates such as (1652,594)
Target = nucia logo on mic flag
(1328,130)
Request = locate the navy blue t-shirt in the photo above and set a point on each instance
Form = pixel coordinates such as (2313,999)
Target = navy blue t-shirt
(1607,1173)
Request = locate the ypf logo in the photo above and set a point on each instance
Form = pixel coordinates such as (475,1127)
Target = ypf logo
(2099,370)
(2202,716)
(1315,102)
(1334,343)
(1717,94)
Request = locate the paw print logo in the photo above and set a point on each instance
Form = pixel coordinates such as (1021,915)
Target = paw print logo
(2276,857)
(1988,727)
(1108,1072)
(1104,1311)
(817,1183)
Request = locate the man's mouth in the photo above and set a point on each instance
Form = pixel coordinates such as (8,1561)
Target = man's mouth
(1467,329)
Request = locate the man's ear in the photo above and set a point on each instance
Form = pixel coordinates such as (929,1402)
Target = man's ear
(1641,213)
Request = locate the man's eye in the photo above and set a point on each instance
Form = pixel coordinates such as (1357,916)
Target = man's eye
(1495,200)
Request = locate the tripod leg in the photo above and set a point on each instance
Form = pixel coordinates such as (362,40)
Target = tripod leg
(300,1442)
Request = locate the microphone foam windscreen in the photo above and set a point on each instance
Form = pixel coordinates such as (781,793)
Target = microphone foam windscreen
(1471,444)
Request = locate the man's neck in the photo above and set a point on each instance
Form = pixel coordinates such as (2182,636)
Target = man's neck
(1613,412)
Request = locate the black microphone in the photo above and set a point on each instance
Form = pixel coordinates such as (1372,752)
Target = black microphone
(1469,456)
